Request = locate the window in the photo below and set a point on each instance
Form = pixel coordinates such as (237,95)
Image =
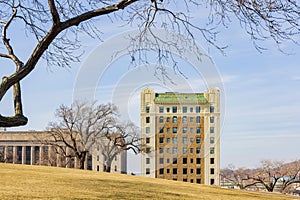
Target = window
(198,140)
(198,130)
(198,109)
(191,130)
(184,171)
(147,129)
(147,160)
(161,171)
(174,109)
(174,119)
(191,150)
(192,160)
(174,160)
(147,140)
(184,109)
(212,150)
(147,170)
(161,119)
(174,150)
(198,171)
(211,109)
(168,140)
(161,130)
(212,119)
(174,139)
(212,181)
(184,130)
(174,129)
(148,150)
(198,119)
(191,119)
(184,119)
(198,161)
(184,180)
(184,160)
(161,150)
(168,171)
(161,140)
(147,119)
(212,161)
(192,171)
(192,180)
(191,109)
(168,150)
(161,109)
(191,140)
(184,150)
(212,129)
(212,140)
(168,119)
(161,160)
(168,160)
(198,180)
(147,109)
(168,130)
(184,140)
(174,170)
(116,168)
(212,170)
(168,110)
(97,158)
(198,150)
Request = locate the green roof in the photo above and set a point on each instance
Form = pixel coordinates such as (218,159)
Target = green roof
(180,98)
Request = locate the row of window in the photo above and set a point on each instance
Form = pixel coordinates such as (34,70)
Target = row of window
(175,141)
(174,109)
(184,130)
(184,150)
(184,161)
(175,171)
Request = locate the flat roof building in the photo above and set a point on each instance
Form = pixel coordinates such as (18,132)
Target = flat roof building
(180,134)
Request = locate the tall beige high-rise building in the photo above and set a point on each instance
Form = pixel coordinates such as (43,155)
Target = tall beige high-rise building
(181,136)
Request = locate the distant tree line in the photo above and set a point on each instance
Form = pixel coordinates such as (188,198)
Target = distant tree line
(270,176)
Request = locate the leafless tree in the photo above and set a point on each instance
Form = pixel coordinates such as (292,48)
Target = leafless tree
(78,129)
(290,175)
(121,137)
(239,177)
(55,27)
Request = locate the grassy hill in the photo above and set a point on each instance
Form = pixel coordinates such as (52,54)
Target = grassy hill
(37,182)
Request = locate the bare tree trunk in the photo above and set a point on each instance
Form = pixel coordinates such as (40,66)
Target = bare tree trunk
(108,165)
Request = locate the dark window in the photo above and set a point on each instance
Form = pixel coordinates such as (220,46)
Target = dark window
(168,130)
(174,129)
(148,150)
(184,109)
(198,130)
(161,150)
(184,119)
(212,171)
(192,160)
(161,171)
(147,170)
(198,161)
(147,119)
(161,109)
(161,119)
(168,109)
(147,160)
(212,150)
(211,109)
(212,181)
(191,109)
(212,129)
(168,119)
(161,160)
(184,170)
(192,171)
(191,150)
(212,161)
(174,119)
(161,140)
(161,130)
(184,180)
(197,140)
(198,171)
(198,109)
(212,140)
(174,160)
(192,180)
(198,150)
(174,109)
(174,170)
(147,140)
(184,160)
(198,119)
(147,109)
(168,171)
(212,120)
(198,180)
(184,130)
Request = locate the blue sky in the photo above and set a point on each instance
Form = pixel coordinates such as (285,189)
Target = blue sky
(262,107)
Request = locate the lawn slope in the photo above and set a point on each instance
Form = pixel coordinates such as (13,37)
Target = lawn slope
(38,182)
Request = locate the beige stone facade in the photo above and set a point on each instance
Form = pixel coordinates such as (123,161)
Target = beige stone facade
(24,147)
(181,134)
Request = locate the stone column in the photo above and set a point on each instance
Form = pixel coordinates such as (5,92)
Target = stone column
(32,155)
(58,158)
(41,157)
(76,165)
(23,155)
(86,162)
(68,160)
(14,154)
(49,155)
(5,153)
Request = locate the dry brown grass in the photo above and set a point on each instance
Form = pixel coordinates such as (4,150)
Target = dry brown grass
(37,182)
